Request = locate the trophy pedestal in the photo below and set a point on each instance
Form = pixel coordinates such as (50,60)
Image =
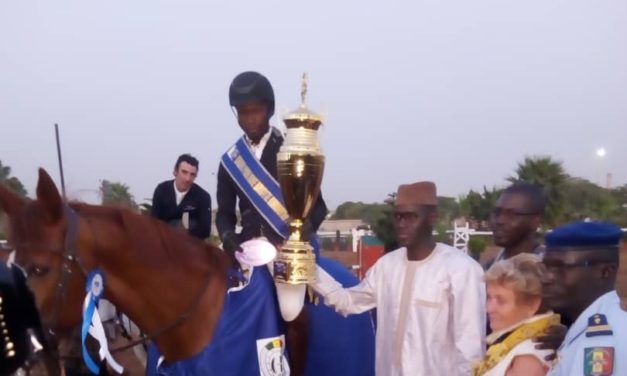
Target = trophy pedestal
(295,263)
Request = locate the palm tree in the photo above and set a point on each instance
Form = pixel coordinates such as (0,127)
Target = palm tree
(550,175)
(118,194)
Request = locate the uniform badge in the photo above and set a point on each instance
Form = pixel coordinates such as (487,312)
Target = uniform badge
(598,361)
(598,326)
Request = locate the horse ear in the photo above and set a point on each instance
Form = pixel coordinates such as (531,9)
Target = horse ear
(10,202)
(48,195)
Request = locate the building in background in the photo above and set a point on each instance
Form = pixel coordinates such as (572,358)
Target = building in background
(350,242)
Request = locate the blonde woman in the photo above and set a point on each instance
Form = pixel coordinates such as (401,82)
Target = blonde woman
(516,316)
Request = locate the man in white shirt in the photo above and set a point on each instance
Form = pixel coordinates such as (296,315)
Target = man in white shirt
(430,297)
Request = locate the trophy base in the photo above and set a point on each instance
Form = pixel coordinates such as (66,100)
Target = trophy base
(295,264)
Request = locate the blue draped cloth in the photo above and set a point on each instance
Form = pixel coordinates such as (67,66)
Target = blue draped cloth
(249,333)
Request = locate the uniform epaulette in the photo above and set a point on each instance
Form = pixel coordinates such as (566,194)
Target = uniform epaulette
(598,326)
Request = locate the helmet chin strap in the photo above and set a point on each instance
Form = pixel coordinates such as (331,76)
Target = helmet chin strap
(256,141)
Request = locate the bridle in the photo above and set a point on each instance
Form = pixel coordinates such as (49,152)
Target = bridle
(69,256)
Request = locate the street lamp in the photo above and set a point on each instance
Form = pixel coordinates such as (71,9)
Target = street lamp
(601,152)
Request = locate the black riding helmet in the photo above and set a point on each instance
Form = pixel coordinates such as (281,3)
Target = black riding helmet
(251,87)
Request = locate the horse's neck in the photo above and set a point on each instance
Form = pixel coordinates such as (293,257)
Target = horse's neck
(156,286)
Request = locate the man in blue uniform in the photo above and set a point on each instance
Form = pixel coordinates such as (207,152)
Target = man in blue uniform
(582,259)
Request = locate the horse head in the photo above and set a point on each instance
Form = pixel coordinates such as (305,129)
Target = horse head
(169,284)
(37,230)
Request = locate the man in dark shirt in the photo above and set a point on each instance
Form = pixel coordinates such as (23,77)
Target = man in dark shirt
(181,202)
(515,219)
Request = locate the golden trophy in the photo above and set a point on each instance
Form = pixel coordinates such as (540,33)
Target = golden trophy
(300,166)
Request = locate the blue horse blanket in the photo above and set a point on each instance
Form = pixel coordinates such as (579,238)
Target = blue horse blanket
(249,338)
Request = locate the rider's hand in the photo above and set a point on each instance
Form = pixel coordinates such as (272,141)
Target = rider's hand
(231,244)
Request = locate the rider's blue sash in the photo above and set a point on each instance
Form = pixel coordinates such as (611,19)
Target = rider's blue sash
(259,186)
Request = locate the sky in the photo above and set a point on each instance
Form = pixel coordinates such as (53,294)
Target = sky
(457,92)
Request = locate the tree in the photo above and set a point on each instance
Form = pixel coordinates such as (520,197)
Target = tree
(550,175)
(448,210)
(369,213)
(384,227)
(477,205)
(116,194)
(10,181)
(14,184)
(583,199)
(620,194)
(476,246)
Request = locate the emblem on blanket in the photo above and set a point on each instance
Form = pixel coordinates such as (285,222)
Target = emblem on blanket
(271,355)
(598,361)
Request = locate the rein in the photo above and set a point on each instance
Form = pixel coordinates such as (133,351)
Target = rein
(70,256)
(179,320)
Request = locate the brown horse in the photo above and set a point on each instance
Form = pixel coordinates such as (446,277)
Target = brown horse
(171,285)
(57,244)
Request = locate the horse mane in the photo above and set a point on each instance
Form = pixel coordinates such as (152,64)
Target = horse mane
(151,237)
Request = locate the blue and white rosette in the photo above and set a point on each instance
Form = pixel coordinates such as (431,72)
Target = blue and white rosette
(92,324)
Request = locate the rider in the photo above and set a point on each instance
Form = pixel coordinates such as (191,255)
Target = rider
(254,156)
(252,99)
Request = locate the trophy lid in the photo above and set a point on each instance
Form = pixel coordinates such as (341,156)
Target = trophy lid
(303,116)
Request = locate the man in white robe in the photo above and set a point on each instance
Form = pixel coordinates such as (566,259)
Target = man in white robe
(430,297)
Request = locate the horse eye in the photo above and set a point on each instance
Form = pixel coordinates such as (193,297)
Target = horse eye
(38,271)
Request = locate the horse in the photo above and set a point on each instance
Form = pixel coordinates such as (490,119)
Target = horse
(173,286)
